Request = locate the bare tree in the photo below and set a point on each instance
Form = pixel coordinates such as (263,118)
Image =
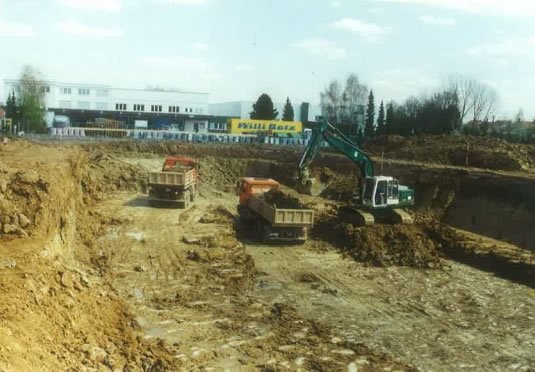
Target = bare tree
(461,87)
(484,102)
(411,106)
(472,98)
(331,100)
(337,102)
(355,94)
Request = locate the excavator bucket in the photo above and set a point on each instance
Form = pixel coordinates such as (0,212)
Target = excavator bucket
(309,185)
(312,187)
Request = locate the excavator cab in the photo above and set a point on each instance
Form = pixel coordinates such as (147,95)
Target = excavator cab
(384,192)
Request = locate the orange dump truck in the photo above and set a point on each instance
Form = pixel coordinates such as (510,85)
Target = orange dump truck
(269,215)
(175,183)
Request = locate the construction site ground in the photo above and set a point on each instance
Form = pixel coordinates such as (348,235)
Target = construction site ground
(93,278)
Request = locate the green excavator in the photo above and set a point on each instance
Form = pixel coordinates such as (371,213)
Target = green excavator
(382,198)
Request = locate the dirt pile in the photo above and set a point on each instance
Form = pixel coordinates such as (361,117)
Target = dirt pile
(385,245)
(48,296)
(379,245)
(480,152)
(279,199)
(21,202)
(502,259)
(104,174)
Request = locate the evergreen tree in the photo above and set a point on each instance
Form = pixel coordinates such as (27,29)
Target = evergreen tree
(263,109)
(369,129)
(288,111)
(11,106)
(390,119)
(360,137)
(381,120)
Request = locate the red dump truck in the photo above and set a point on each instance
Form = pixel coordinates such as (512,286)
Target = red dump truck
(176,183)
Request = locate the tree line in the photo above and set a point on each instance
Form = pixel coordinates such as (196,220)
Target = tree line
(460,100)
(263,109)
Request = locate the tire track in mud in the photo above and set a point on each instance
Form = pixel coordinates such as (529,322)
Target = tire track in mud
(211,326)
(368,303)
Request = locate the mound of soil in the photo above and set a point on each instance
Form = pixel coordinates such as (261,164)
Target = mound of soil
(386,245)
(379,245)
(103,174)
(279,199)
(480,152)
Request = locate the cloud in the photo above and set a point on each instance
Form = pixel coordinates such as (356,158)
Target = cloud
(15,29)
(512,47)
(369,31)
(75,28)
(185,2)
(439,21)
(98,5)
(323,48)
(244,67)
(200,46)
(514,8)
(399,84)
(184,65)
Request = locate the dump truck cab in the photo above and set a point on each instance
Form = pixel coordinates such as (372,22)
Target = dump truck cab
(248,186)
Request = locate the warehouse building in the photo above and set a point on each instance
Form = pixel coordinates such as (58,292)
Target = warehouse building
(161,109)
(80,104)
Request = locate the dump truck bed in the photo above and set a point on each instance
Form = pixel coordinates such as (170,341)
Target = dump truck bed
(182,179)
(279,216)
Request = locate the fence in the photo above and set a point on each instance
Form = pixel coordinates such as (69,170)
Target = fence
(137,134)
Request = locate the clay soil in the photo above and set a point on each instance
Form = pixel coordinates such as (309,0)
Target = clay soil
(93,278)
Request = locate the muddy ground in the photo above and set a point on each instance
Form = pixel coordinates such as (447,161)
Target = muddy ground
(93,278)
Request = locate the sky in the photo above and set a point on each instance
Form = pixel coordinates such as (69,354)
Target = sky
(238,49)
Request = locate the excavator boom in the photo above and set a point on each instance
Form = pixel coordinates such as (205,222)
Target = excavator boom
(380,195)
(330,134)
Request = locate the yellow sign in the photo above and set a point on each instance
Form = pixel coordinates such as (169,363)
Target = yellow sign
(244,126)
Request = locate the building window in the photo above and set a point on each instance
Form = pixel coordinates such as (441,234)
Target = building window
(120,106)
(66,90)
(84,105)
(83,92)
(102,93)
(138,107)
(156,108)
(217,126)
(174,109)
(47,89)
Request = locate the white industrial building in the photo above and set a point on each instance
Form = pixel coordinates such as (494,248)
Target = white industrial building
(241,109)
(182,110)
(76,96)
(187,110)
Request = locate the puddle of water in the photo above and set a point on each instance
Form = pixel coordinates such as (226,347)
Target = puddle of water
(136,235)
(138,293)
(111,235)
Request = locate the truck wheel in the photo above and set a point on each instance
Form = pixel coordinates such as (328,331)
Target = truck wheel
(266,232)
(259,231)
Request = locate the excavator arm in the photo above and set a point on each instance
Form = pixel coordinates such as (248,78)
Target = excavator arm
(325,131)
